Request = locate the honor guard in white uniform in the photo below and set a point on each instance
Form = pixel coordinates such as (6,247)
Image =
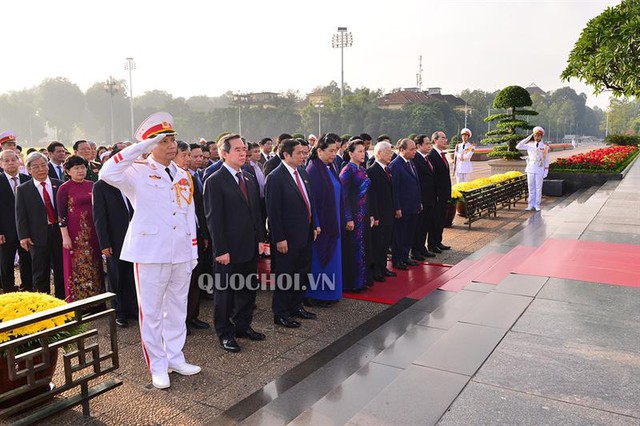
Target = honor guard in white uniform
(160,242)
(462,156)
(537,165)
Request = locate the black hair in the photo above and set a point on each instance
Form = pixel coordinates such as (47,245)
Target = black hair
(365,137)
(323,143)
(74,160)
(225,144)
(284,136)
(30,150)
(419,140)
(195,146)
(53,145)
(77,144)
(383,137)
(182,146)
(205,148)
(265,140)
(352,147)
(252,145)
(288,145)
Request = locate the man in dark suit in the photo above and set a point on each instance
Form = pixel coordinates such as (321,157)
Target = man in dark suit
(275,161)
(339,161)
(232,206)
(381,191)
(83,149)
(406,202)
(191,161)
(442,179)
(112,213)
(10,179)
(37,225)
(266,145)
(212,169)
(427,196)
(293,229)
(57,153)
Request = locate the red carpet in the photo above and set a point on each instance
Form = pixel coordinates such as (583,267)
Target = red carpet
(592,261)
(507,263)
(415,283)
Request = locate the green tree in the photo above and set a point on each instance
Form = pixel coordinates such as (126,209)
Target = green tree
(98,125)
(18,113)
(512,99)
(607,54)
(622,114)
(61,103)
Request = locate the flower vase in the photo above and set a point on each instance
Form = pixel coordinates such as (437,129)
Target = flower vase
(451,214)
(461,207)
(6,385)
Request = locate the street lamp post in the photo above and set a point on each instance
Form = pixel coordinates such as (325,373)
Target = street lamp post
(319,106)
(130,65)
(111,87)
(342,39)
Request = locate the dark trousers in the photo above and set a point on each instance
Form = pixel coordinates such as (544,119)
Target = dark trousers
(403,231)
(122,283)
(193,300)
(439,218)
(381,237)
(7,257)
(47,257)
(296,263)
(233,307)
(425,222)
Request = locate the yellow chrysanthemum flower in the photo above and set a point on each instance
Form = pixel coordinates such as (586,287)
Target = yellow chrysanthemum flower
(20,304)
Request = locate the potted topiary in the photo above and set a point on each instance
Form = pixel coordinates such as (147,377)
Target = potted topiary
(506,135)
(20,304)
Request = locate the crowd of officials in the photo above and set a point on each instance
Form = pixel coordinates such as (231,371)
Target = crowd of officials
(163,213)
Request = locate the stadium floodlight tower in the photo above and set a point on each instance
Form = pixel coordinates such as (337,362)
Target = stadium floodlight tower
(340,40)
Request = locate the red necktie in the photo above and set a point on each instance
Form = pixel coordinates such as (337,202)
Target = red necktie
(444,159)
(243,186)
(386,170)
(304,197)
(51,215)
(429,164)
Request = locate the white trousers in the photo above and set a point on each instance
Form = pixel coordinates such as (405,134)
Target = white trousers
(162,308)
(534,182)
(463,177)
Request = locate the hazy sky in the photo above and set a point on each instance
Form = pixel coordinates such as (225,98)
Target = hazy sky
(207,47)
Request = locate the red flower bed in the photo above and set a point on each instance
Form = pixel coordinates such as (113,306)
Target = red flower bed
(603,159)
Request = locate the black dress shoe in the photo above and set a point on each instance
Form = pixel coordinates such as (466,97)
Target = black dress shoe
(435,250)
(418,257)
(429,254)
(229,344)
(443,247)
(198,324)
(122,323)
(304,314)
(388,273)
(379,278)
(401,266)
(250,334)
(287,322)
(412,262)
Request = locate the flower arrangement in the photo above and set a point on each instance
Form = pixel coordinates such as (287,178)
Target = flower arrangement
(20,304)
(607,159)
(458,188)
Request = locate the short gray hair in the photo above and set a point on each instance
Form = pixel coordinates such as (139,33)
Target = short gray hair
(379,147)
(11,151)
(34,156)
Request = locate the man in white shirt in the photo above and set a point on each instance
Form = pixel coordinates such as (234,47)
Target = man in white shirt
(57,154)
(537,165)
(462,156)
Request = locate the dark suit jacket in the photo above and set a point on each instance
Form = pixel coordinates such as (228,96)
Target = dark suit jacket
(406,187)
(8,207)
(339,162)
(212,169)
(201,225)
(236,226)
(110,216)
(31,215)
(381,191)
(286,209)
(427,181)
(54,175)
(263,159)
(441,175)
(271,165)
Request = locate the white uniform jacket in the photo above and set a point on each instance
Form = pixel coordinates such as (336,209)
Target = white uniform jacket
(537,156)
(163,228)
(463,153)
